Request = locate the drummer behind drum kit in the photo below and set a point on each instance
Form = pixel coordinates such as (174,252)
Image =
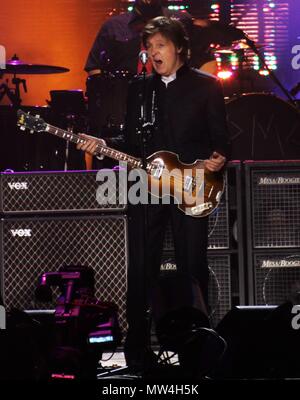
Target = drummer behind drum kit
(261,125)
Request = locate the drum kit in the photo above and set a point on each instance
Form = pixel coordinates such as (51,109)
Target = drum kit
(66,108)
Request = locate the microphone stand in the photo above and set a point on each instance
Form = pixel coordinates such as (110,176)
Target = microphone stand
(144,132)
(273,76)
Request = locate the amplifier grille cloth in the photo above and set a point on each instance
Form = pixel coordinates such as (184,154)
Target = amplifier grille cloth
(277,278)
(60,191)
(275,209)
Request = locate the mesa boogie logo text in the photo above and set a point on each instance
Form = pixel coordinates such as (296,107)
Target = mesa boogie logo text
(279,180)
(280,263)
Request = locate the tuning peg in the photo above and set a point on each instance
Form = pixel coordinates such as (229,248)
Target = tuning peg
(31,131)
(22,128)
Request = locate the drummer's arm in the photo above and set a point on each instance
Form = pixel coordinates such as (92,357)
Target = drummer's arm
(100,46)
(94,72)
(208,65)
(203,23)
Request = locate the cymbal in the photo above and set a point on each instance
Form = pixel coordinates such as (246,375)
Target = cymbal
(16,66)
(223,50)
(215,32)
(242,45)
(235,47)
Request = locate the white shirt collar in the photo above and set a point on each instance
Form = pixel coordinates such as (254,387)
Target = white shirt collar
(168,79)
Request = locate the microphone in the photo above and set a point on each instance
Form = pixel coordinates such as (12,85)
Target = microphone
(143,56)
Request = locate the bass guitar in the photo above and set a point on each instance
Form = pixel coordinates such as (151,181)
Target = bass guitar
(196,190)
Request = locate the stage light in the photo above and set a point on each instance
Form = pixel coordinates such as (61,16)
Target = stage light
(224,74)
(215,6)
(263,72)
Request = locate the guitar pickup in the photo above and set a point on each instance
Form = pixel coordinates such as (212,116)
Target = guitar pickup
(188,183)
(157,171)
(201,208)
(201,189)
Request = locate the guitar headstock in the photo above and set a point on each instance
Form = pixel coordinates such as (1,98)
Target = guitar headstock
(32,122)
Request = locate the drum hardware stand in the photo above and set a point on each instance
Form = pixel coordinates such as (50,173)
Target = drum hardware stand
(70,128)
(241,65)
(295,90)
(13,94)
(68,106)
(273,76)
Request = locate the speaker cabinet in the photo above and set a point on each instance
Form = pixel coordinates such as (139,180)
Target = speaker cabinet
(273,198)
(276,277)
(31,246)
(219,289)
(60,192)
(273,222)
(261,343)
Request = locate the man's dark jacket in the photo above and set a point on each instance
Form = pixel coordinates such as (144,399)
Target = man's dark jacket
(189,116)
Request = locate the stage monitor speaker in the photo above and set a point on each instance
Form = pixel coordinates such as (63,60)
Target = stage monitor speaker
(273,199)
(219,289)
(31,246)
(261,343)
(60,192)
(274,278)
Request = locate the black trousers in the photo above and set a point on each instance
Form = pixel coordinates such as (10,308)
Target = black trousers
(190,240)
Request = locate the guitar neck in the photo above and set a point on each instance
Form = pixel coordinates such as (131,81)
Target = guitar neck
(100,149)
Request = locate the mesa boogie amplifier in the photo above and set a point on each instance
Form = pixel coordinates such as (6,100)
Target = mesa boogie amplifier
(273,200)
(62,191)
(276,277)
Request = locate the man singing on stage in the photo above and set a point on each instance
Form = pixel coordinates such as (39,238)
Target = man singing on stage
(187,113)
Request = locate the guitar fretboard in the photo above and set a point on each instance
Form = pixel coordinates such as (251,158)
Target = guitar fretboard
(101,149)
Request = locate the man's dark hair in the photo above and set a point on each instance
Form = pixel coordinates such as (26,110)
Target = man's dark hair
(173,30)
